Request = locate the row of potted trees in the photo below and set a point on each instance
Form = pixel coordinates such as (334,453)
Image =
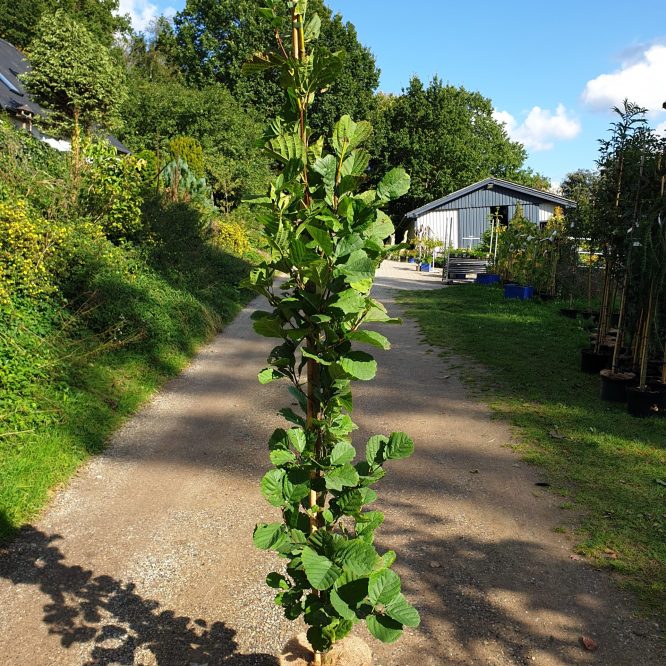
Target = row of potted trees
(621,224)
(525,257)
(627,223)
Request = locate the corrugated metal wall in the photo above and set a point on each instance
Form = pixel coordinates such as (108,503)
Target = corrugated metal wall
(474,210)
(441,224)
(546,211)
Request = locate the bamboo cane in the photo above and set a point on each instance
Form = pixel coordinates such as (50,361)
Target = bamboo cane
(312,368)
(620,322)
(663,187)
(645,339)
(589,280)
(603,308)
(635,343)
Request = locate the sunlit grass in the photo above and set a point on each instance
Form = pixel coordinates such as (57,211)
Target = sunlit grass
(606,462)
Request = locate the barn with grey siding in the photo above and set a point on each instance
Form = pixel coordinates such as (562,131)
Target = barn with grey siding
(463,216)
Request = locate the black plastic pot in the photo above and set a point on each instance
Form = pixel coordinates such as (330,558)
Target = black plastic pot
(608,349)
(614,386)
(660,388)
(594,362)
(655,366)
(572,313)
(642,403)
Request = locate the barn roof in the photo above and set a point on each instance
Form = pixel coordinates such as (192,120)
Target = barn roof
(12,92)
(493,182)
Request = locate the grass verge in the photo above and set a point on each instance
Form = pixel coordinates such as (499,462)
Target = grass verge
(609,465)
(72,372)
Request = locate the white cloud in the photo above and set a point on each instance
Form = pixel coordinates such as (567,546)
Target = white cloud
(661,128)
(639,79)
(142,12)
(541,127)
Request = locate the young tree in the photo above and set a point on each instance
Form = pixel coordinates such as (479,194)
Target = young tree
(74,78)
(326,235)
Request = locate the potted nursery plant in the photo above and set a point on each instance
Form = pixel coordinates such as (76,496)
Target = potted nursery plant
(515,255)
(326,235)
(649,241)
(608,228)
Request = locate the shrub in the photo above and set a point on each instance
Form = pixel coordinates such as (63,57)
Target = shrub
(28,247)
(33,171)
(111,192)
(231,235)
(189,150)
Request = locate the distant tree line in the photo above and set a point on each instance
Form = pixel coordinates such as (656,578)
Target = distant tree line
(182,78)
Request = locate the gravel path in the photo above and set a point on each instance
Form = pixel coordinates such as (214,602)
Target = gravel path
(146,557)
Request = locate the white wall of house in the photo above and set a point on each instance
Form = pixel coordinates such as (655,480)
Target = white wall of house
(440,224)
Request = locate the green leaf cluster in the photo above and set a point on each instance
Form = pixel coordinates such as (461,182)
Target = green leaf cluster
(326,234)
(335,576)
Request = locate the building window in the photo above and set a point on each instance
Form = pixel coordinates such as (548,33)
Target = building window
(500,214)
(10,85)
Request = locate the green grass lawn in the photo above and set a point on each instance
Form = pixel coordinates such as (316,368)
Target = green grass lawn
(607,465)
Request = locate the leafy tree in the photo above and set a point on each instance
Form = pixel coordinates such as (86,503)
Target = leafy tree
(326,235)
(527,176)
(158,110)
(19,20)
(74,78)
(580,186)
(215,38)
(151,55)
(447,138)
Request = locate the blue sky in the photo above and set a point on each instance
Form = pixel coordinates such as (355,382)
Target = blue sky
(552,70)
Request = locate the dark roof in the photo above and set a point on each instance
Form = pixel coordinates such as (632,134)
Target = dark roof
(121,148)
(12,92)
(522,189)
(13,95)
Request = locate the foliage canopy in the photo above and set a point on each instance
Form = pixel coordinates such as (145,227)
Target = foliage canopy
(73,76)
(18,20)
(447,138)
(216,37)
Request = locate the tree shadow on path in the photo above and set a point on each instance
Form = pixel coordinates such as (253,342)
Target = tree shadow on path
(120,625)
(513,600)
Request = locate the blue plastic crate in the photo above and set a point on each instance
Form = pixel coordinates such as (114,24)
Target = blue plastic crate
(518,291)
(425,268)
(487,278)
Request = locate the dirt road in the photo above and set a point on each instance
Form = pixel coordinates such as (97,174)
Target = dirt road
(146,557)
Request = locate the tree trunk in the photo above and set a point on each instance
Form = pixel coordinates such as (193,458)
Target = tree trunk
(645,339)
(76,152)
(620,323)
